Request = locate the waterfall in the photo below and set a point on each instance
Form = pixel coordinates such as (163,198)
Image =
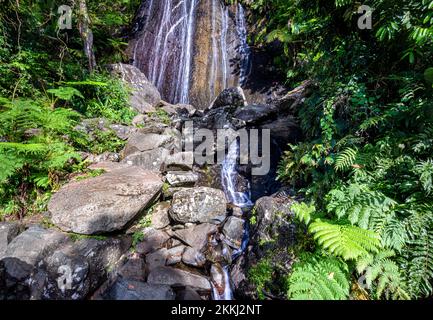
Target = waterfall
(244,48)
(229,174)
(240,199)
(191,50)
(227,295)
(186,61)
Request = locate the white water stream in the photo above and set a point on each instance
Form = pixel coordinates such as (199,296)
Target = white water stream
(240,199)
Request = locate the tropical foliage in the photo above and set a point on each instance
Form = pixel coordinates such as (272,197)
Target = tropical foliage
(45,93)
(364,164)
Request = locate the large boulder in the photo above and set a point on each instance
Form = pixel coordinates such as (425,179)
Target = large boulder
(8,231)
(23,256)
(106,203)
(171,276)
(76,270)
(234,97)
(199,205)
(273,220)
(144,95)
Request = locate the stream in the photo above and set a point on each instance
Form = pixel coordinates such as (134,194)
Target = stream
(239,199)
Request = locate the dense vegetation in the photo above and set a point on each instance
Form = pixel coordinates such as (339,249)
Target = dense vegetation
(365,165)
(47,88)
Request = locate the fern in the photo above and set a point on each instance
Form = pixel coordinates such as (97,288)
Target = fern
(319,278)
(346,160)
(348,242)
(303,212)
(359,204)
(425,171)
(383,276)
(418,255)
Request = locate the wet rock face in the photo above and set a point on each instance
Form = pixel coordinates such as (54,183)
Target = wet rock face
(191,50)
(199,205)
(234,231)
(106,203)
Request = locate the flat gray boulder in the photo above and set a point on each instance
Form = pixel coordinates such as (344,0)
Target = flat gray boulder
(199,205)
(106,203)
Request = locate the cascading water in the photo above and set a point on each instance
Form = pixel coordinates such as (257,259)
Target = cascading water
(229,174)
(237,198)
(244,48)
(191,50)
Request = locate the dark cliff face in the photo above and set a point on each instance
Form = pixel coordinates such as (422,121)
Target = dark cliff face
(191,50)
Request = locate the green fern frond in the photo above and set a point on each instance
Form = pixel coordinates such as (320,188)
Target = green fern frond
(383,276)
(319,278)
(346,160)
(303,212)
(348,242)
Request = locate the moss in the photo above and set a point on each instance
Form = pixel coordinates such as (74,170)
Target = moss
(91,174)
(77,237)
(260,275)
(162,116)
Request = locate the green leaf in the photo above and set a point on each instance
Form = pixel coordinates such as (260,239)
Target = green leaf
(348,242)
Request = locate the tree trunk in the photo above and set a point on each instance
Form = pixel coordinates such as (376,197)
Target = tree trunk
(86,33)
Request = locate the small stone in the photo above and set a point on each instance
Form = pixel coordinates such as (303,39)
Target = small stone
(174,255)
(181,178)
(153,240)
(193,258)
(160,217)
(156,259)
(197,236)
